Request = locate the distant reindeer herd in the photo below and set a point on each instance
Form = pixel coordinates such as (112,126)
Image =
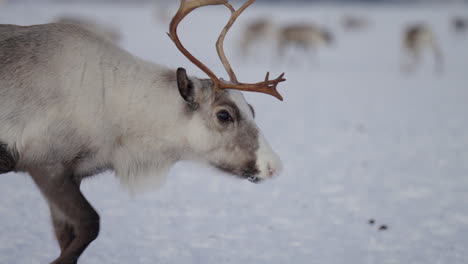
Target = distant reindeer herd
(306,36)
(417,39)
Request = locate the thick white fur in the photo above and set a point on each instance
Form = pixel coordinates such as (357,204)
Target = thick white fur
(98,98)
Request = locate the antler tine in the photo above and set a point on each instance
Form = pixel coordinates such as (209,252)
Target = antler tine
(266,87)
(267,76)
(187,6)
(220,42)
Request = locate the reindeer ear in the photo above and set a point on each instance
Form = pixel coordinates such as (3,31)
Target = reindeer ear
(186,87)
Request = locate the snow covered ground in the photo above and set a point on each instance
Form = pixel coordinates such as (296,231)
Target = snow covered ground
(359,141)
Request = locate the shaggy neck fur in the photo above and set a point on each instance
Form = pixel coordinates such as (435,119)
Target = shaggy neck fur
(143,152)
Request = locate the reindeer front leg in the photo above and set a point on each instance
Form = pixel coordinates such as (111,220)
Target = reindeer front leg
(63,228)
(76,222)
(64,232)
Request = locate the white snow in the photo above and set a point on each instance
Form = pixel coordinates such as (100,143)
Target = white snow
(358,139)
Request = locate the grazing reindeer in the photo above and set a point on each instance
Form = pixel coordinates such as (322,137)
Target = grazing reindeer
(73,104)
(307,37)
(256,32)
(416,39)
(104,31)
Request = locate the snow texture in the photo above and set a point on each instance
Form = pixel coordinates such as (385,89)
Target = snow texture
(359,141)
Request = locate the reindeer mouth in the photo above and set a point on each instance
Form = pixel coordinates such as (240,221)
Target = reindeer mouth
(249,173)
(253,178)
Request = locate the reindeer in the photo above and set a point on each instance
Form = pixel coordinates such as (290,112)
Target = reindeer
(308,37)
(416,39)
(104,31)
(256,32)
(73,104)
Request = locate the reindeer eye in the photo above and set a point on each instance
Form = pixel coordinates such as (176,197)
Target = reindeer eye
(224,116)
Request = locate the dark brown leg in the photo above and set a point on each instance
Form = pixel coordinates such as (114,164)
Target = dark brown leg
(63,229)
(76,222)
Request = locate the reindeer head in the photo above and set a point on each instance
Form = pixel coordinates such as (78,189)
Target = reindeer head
(221,122)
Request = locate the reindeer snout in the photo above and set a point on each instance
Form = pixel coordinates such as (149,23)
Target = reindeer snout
(269,165)
(268,162)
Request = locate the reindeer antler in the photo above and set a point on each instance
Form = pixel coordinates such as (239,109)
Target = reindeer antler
(187,6)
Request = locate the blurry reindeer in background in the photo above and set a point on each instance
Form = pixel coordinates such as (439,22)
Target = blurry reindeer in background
(257,32)
(308,37)
(73,104)
(417,39)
